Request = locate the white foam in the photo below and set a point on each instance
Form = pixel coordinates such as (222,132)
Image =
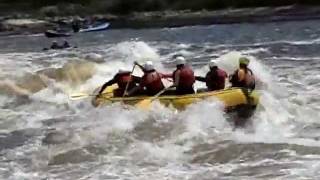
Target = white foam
(134,51)
(161,152)
(201,118)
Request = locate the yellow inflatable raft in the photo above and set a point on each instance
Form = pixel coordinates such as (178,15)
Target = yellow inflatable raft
(232,98)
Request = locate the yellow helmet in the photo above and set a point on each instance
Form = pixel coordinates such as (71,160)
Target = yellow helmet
(244,60)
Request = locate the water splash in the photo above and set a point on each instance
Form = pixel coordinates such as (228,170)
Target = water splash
(119,142)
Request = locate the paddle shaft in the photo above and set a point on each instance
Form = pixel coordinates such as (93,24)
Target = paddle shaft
(86,95)
(146,103)
(159,93)
(127,85)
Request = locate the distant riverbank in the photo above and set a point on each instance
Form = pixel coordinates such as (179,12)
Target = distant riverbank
(158,19)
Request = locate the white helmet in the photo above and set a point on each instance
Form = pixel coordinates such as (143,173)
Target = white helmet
(149,62)
(180,60)
(148,66)
(212,63)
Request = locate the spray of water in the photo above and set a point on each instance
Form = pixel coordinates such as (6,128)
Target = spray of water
(127,135)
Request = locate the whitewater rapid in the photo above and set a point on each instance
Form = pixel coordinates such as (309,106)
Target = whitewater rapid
(45,135)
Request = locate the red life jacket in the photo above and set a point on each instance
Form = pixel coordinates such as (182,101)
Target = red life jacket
(221,75)
(152,82)
(123,79)
(215,80)
(187,77)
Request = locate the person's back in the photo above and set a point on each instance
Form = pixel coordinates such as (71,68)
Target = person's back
(246,78)
(123,79)
(243,77)
(151,80)
(215,79)
(183,77)
(186,78)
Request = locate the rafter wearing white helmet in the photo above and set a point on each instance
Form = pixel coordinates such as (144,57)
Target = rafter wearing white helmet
(212,64)
(148,66)
(180,60)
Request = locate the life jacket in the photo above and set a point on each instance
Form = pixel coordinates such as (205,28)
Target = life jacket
(187,77)
(152,82)
(123,79)
(248,82)
(215,80)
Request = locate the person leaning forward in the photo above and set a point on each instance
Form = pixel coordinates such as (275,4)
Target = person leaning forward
(151,82)
(123,79)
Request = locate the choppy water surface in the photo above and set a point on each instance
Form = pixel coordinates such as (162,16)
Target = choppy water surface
(44,135)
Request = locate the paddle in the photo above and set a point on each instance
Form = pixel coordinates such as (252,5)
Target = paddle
(127,85)
(78,96)
(145,104)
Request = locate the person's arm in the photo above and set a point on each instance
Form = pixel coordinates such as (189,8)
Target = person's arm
(176,78)
(168,77)
(241,75)
(199,78)
(165,76)
(109,83)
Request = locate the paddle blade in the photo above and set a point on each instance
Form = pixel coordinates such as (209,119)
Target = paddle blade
(78,96)
(144,104)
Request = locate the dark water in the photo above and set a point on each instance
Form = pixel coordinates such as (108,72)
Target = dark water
(44,135)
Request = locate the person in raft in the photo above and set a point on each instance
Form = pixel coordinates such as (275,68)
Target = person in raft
(124,80)
(215,78)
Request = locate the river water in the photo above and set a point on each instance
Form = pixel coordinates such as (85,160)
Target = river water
(45,135)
